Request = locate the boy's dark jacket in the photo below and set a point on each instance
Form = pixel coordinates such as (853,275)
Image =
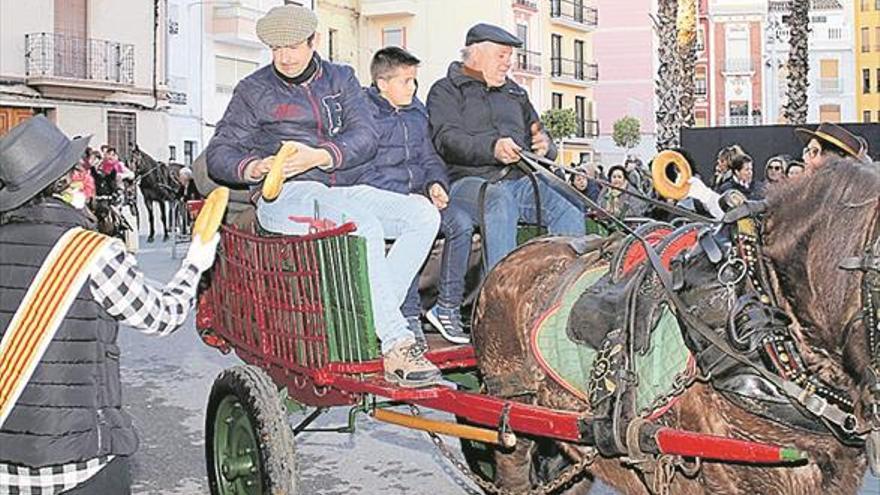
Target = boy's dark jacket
(405,160)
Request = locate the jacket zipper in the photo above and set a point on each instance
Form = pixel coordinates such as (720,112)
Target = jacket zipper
(317,116)
(100,425)
(406,151)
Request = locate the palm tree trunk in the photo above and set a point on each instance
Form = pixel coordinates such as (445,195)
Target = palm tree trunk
(687,52)
(668,75)
(795,110)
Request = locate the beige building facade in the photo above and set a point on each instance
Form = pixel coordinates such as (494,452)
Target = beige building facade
(569,25)
(91,66)
(433,30)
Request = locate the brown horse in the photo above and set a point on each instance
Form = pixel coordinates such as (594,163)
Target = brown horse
(810,226)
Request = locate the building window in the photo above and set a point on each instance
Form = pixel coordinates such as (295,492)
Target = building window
(700,119)
(579,60)
(394,37)
(522,32)
(835,33)
(556,100)
(877,39)
(580,111)
(866,40)
(122,133)
(331,45)
(878,80)
(829,113)
(829,79)
(866,81)
(701,40)
(555,8)
(189,152)
(556,55)
(231,70)
(865,5)
(172,153)
(876,4)
(866,116)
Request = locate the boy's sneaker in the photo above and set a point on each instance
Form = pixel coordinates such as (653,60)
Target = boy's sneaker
(448,322)
(415,326)
(406,365)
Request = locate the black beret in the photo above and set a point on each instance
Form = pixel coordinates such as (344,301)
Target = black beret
(488,32)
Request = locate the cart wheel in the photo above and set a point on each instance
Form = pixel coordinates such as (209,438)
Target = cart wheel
(249,444)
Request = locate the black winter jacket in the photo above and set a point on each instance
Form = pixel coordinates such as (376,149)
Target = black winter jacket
(467,118)
(71,409)
(405,160)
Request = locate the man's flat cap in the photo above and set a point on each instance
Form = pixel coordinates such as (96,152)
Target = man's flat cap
(488,32)
(286,25)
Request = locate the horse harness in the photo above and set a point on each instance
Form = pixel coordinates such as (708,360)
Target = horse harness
(754,361)
(869,265)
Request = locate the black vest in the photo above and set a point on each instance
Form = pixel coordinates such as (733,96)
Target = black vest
(71,410)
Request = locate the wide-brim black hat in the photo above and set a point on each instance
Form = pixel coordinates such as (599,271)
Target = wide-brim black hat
(33,155)
(832,134)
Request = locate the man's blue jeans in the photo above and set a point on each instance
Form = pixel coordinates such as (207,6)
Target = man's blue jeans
(458,230)
(409,219)
(509,202)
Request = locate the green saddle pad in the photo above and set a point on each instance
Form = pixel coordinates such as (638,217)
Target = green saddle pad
(570,363)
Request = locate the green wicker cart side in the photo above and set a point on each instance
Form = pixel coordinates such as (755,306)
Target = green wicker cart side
(345,291)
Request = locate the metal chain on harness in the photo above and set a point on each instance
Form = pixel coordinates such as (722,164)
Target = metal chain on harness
(489,487)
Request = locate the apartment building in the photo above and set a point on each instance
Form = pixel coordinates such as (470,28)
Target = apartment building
(433,30)
(91,66)
(832,90)
(625,48)
(570,24)
(867,64)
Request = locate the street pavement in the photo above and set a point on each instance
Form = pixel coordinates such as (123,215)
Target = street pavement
(166,385)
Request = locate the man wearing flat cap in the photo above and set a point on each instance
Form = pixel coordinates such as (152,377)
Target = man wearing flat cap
(828,141)
(480,120)
(320,107)
(65,289)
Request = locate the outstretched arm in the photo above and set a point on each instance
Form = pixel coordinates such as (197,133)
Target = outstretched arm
(120,287)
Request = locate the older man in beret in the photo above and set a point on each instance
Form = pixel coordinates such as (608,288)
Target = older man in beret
(481,120)
(320,107)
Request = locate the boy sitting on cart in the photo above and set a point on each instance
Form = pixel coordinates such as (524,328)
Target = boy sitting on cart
(320,107)
(407,163)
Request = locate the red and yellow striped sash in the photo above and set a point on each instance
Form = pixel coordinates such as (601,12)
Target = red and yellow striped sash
(43,309)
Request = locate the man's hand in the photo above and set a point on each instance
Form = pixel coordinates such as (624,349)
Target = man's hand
(540,140)
(438,196)
(305,159)
(507,151)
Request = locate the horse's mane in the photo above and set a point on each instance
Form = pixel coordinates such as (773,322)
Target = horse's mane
(813,223)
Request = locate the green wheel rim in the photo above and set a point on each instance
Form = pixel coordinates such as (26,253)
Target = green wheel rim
(237,469)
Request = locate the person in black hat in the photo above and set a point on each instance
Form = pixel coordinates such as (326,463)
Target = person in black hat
(480,121)
(826,142)
(68,432)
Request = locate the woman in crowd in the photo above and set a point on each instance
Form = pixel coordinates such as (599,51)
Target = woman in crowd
(741,178)
(613,199)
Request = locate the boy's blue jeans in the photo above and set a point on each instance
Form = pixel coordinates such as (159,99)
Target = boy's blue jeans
(456,227)
(509,202)
(411,220)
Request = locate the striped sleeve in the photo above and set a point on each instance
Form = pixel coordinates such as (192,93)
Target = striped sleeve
(119,286)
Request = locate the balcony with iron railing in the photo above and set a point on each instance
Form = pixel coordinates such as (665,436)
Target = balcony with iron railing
(566,70)
(740,120)
(528,5)
(73,66)
(573,13)
(739,66)
(528,62)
